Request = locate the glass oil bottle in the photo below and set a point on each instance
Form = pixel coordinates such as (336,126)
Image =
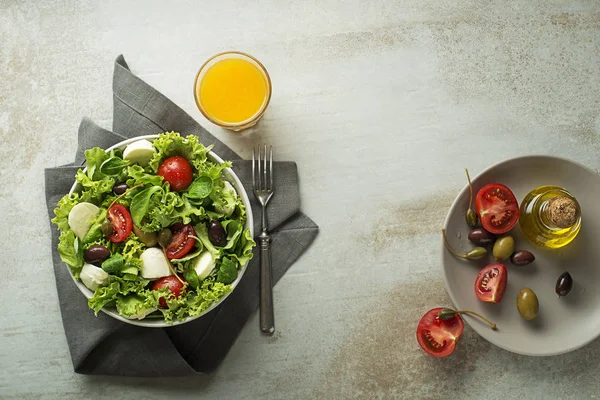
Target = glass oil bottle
(550,217)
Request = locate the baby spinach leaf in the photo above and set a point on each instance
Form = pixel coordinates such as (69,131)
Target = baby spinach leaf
(200,188)
(140,204)
(228,271)
(113,166)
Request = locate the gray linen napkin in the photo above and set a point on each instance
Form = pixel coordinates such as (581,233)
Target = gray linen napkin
(104,346)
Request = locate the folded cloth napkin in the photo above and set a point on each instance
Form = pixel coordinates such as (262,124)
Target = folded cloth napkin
(104,346)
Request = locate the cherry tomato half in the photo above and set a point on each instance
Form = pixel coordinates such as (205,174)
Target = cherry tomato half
(497,208)
(181,243)
(177,171)
(491,283)
(173,284)
(439,337)
(121,221)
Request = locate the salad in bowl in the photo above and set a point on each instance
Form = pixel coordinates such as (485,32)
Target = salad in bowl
(156,230)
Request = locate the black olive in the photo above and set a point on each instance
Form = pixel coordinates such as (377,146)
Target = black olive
(96,254)
(564,284)
(481,237)
(217,234)
(120,188)
(522,257)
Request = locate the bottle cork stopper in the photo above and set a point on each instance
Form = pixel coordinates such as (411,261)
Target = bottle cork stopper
(562,211)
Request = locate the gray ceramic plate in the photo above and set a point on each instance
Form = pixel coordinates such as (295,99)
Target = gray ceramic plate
(564,324)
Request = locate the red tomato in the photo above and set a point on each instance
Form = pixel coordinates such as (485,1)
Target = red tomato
(173,284)
(491,283)
(181,243)
(439,337)
(497,208)
(121,222)
(177,171)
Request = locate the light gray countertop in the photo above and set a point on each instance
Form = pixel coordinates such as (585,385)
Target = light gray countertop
(382,104)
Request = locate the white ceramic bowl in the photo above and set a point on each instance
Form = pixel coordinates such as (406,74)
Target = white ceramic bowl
(564,324)
(159,323)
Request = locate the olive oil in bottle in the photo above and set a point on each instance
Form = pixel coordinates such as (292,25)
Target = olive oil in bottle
(550,217)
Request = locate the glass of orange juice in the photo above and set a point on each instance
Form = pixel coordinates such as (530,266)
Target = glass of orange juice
(233,90)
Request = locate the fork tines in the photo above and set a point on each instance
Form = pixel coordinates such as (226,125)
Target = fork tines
(262,173)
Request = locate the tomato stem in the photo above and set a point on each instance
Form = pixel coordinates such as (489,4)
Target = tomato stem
(124,193)
(492,325)
(171,267)
(449,249)
(470,188)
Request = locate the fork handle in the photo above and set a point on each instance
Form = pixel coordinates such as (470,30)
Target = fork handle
(267,319)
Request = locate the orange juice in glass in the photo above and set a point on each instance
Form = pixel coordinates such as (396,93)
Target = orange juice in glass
(233,90)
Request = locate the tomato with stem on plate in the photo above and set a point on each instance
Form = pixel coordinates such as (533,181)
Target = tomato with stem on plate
(177,171)
(121,222)
(497,208)
(438,337)
(172,283)
(490,284)
(182,241)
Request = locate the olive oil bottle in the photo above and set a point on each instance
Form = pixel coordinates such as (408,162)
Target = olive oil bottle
(550,217)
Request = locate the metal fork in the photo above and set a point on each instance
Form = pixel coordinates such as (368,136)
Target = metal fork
(262,180)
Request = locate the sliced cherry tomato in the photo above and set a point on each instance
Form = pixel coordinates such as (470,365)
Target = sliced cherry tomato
(173,284)
(439,337)
(177,171)
(491,283)
(181,243)
(497,208)
(121,221)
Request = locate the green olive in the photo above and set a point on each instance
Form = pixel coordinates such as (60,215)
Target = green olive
(164,237)
(148,238)
(527,304)
(503,248)
(471,218)
(107,228)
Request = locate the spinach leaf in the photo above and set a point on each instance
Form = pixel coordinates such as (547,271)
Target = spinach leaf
(200,188)
(228,271)
(141,203)
(192,278)
(94,159)
(113,166)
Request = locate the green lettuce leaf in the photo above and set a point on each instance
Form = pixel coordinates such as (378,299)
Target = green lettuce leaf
(135,306)
(202,234)
(94,191)
(227,271)
(234,231)
(141,203)
(95,232)
(71,252)
(243,251)
(62,210)
(107,295)
(173,144)
(94,159)
(139,176)
(114,166)
(200,188)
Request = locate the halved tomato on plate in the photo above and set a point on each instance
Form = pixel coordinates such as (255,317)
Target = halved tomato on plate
(490,284)
(497,208)
(438,337)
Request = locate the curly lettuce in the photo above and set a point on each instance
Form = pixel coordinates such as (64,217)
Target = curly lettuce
(173,144)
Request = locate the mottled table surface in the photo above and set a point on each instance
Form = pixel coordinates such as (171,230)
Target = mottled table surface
(381,104)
